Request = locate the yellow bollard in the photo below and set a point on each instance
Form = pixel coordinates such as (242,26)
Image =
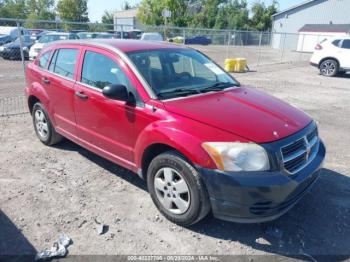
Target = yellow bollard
(230,64)
(240,65)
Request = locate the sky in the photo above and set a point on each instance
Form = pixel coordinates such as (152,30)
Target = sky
(97,7)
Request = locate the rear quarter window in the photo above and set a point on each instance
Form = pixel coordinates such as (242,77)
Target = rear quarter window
(63,62)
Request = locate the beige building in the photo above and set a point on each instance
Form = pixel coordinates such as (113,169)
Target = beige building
(126,20)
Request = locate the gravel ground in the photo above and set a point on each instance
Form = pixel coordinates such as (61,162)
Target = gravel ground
(45,191)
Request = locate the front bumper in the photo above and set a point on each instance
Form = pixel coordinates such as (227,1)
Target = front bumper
(253,197)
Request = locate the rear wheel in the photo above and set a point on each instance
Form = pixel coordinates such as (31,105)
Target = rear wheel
(43,126)
(176,189)
(329,67)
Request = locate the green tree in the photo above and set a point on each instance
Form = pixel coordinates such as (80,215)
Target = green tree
(220,14)
(73,10)
(107,17)
(40,10)
(261,19)
(150,12)
(13,9)
(126,6)
(207,16)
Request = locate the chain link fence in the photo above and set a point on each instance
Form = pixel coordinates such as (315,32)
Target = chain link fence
(259,48)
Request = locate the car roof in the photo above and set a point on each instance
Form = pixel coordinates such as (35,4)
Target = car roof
(124,45)
(151,33)
(58,33)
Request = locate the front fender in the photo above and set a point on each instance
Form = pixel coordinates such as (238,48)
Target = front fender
(162,132)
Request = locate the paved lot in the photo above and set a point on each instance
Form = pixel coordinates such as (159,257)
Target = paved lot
(45,191)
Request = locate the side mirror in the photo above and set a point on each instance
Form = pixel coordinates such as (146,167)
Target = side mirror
(117,92)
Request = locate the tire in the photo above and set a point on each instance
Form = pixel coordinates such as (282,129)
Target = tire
(168,177)
(329,67)
(43,126)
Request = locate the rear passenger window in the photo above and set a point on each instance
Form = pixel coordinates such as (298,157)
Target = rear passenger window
(346,44)
(100,71)
(44,59)
(63,62)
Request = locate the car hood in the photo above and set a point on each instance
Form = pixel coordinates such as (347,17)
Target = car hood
(243,111)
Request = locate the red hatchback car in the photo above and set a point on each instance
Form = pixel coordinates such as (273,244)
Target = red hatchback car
(170,114)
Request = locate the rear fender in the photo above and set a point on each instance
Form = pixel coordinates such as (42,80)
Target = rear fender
(38,91)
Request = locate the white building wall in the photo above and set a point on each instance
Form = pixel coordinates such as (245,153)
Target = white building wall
(314,12)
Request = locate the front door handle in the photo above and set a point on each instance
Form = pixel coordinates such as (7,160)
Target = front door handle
(45,80)
(81,95)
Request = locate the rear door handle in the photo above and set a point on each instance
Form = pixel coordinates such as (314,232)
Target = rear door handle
(81,95)
(45,80)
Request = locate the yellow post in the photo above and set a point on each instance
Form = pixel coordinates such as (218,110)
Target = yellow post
(230,64)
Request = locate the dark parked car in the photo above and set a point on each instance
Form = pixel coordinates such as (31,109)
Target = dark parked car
(13,50)
(198,40)
(119,34)
(35,34)
(170,114)
(93,35)
(4,39)
(87,35)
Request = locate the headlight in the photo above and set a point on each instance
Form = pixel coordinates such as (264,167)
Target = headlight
(2,48)
(235,156)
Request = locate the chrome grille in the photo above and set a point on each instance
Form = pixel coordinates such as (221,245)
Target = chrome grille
(298,154)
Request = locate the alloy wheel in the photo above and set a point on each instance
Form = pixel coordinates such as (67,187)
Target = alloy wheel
(172,190)
(328,68)
(41,124)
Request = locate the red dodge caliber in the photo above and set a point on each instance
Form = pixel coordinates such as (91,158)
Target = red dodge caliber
(170,114)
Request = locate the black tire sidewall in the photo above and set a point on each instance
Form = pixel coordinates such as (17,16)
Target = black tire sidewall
(39,106)
(192,179)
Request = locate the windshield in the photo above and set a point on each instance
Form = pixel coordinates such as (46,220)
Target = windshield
(25,38)
(180,72)
(52,38)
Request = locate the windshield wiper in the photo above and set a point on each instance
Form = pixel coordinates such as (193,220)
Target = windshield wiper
(178,92)
(218,86)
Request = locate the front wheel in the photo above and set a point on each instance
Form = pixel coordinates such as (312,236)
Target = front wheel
(176,189)
(329,67)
